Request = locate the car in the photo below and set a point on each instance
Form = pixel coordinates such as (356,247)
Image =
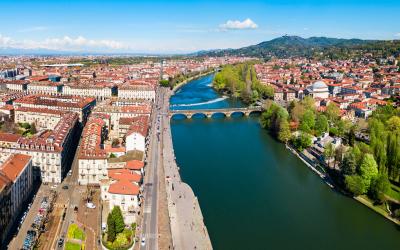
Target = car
(70,172)
(90,205)
(143,242)
(60,242)
(65,187)
(54,186)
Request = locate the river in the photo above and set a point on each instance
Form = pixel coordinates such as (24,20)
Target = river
(254,194)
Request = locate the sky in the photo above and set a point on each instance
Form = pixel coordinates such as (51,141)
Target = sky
(187,26)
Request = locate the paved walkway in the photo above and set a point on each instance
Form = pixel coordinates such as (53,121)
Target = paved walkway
(187,224)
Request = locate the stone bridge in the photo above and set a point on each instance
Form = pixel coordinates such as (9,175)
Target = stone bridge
(227,112)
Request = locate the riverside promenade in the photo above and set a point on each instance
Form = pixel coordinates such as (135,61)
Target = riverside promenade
(187,225)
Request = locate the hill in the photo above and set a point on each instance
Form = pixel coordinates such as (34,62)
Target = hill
(335,48)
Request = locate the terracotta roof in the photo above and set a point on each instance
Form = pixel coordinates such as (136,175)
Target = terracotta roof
(124,174)
(9,137)
(14,165)
(134,165)
(123,187)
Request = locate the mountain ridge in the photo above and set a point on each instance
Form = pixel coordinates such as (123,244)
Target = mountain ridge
(288,46)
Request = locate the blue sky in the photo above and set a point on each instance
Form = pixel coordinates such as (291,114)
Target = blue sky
(185,26)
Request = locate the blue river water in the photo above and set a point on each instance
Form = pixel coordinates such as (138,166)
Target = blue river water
(255,194)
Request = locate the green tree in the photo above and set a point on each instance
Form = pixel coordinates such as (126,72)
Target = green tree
(272,116)
(393,154)
(111,234)
(164,83)
(393,124)
(307,121)
(302,141)
(296,111)
(329,152)
(378,137)
(321,125)
(118,219)
(379,186)
(349,165)
(338,155)
(284,131)
(355,184)
(351,136)
(332,112)
(308,103)
(368,169)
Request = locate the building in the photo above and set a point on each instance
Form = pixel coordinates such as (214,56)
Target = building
(41,117)
(142,92)
(45,88)
(318,90)
(18,85)
(5,207)
(100,91)
(92,157)
(116,111)
(51,149)
(80,105)
(122,188)
(16,179)
(135,138)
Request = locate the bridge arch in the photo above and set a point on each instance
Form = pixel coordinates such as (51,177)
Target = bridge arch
(218,115)
(179,116)
(237,113)
(199,115)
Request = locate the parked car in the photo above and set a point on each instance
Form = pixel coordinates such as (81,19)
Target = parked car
(143,242)
(65,187)
(60,242)
(90,205)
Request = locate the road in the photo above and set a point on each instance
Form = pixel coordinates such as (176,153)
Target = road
(150,212)
(18,240)
(70,198)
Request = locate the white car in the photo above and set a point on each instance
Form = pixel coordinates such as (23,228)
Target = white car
(54,186)
(70,172)
(90,205)
(143,242)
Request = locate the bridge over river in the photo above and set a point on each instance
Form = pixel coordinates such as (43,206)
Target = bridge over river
(228,112)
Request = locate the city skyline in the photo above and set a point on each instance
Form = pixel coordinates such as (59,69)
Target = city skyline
(182,27)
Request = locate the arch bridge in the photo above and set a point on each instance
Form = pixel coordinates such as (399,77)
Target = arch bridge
(227,112)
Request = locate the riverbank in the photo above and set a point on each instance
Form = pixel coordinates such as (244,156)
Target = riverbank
(186,219)
(179,85)
(325,177)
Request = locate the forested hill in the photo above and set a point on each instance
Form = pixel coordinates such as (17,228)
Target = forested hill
(315,47)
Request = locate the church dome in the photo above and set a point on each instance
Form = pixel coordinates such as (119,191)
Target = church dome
(319,85)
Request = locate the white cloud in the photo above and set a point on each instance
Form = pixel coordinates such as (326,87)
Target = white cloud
(79,43)
(5,41)
(238,25)
(398,34)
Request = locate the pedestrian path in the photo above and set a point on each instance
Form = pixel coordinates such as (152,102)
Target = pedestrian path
(187,224)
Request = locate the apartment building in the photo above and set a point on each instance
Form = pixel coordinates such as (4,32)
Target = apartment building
(16,179)
(51,150)
(41,117)
(92,157)
(142,92)
(122,188)
(80,105)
